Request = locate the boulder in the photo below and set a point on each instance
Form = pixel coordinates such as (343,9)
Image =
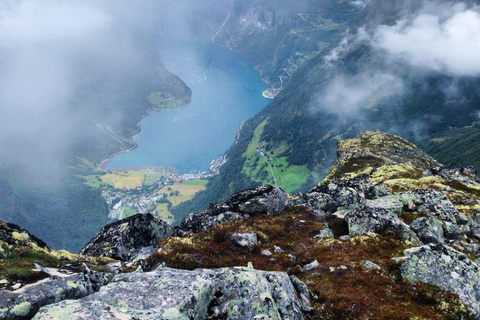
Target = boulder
(123,239)
(245,240)
(265,199)
(378,220)
(25,302)
(234,293)
(429,230)
(446,268)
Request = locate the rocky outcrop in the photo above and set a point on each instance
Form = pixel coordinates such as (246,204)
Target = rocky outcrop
(265,199)
(234,293)
(12,234)
(446,268)
(25,302)
(123,239)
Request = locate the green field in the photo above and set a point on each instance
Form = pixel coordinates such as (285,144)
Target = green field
(128,179)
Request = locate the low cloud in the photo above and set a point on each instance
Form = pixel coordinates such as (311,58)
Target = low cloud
(445,40)
(347,95)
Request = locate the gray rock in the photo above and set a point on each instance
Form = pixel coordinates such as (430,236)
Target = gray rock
(344,238)
(369,265)
(265,199)
(26,301)
(391,203)
(378,221)
(428,229)
(310,266)
(235,293)
(446,268)
(435,203)
(245,240)
(266,252)
(320,203)
(124,238)
(303,293)
(277,249)
(325,233)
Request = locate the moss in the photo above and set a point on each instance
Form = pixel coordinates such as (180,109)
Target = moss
(340,287)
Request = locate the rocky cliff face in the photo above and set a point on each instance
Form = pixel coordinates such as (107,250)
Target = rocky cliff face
(390,234)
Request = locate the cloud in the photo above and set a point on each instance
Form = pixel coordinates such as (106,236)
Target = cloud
(64,66)
(359,3)
(446,40)
(347,95)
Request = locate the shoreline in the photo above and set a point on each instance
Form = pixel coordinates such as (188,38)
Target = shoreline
(101,165)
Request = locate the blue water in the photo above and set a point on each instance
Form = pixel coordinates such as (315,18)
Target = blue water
(226,91)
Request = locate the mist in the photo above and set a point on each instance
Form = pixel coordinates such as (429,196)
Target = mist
(63,70)
(440,38)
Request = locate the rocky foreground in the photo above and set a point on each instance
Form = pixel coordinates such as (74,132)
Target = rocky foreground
(389,234)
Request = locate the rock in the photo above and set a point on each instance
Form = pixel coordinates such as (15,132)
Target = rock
(277,249)
(344,238)
(123,239)
(245,240)
(15,235)
(325,233)
(462,219)
(446,268)
(378,221)
(428,229)
(435,203)
(310,266)
(390,203)
(303,293)
(369,265)
(234,293)
(343,193)
(265,199)
(26,301)
(266,252)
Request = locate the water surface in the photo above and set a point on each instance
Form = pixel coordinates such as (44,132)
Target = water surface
(226,91)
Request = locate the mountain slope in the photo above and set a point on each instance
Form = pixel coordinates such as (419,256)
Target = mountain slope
(360,82)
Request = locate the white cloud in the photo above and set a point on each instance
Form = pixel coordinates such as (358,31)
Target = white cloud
(347,95)
(445,41)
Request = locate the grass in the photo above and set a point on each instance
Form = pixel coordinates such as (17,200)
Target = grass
(289,177)
(162,100)
(341,288)
(128,179)
(186,191)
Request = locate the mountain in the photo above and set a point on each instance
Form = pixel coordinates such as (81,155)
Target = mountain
(275,37)
(389,234)
(40,183)
(377,76)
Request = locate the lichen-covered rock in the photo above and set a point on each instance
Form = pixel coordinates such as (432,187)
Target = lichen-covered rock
(124,238)
(446,268)
(429,230)
(15,235)
(265,199)
(435,203)
(378,220)
(25,302)
(245,240)
(370,150)
(391,203)
(235,293)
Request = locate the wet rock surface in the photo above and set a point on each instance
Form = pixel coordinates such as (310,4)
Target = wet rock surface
(166,293)
(124,238)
